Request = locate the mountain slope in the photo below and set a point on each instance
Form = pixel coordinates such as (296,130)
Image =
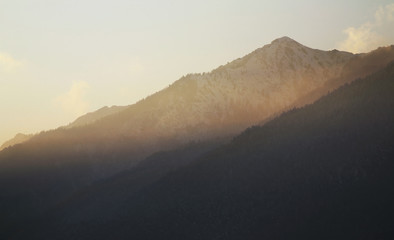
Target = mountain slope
(321,172)
(361,65)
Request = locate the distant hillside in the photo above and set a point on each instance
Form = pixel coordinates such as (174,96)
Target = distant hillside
(86,119)
(96,115)
(321,172)
(19,138)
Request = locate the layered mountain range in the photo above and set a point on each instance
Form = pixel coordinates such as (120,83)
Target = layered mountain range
(197,107)
(249,90)
(192,116)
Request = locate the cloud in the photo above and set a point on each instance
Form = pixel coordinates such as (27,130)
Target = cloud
(8,63)
(370,35)
(361,39)
(384,14)
(73,101)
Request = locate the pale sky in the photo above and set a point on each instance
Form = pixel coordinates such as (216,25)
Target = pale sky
(62,58)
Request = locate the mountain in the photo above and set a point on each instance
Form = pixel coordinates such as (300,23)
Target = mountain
(19,138)
(224,101)
(196,107)
(38,174)
(324,171)
(234,96)
(264,83)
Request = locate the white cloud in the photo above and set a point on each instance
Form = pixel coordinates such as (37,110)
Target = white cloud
(369,35)
(73,102)
(361,39)
(384,14)
(8,63)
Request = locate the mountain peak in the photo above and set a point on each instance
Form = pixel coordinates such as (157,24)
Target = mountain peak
(283,40)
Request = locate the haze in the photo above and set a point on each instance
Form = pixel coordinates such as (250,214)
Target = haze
(61,59)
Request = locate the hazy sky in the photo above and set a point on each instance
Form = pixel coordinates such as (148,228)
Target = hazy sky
(62,58)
